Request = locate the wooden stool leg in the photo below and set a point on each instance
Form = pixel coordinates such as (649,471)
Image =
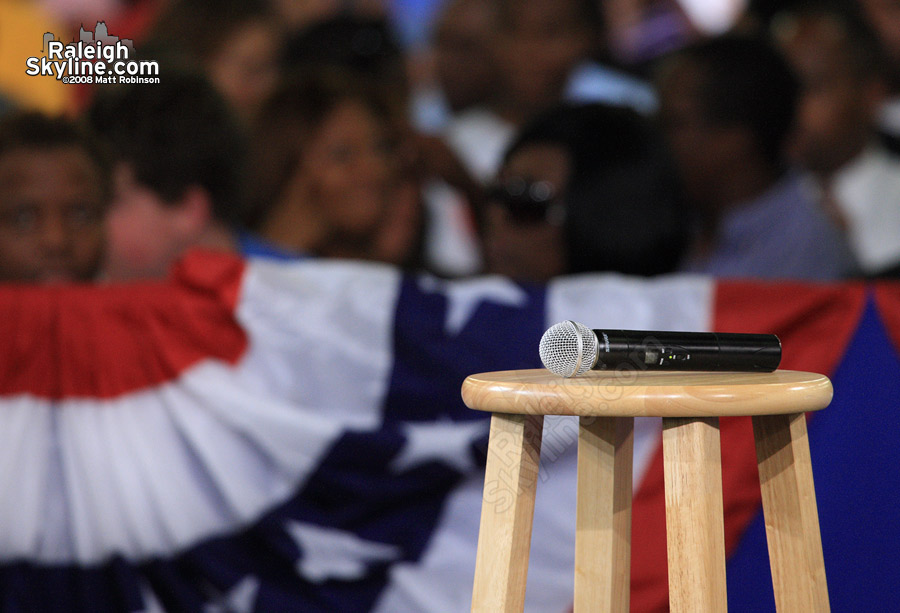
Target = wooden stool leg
(603,517)
(789,505)
(695,532)
(507,511)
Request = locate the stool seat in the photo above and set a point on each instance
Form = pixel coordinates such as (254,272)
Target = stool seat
(647,394)
(690,404)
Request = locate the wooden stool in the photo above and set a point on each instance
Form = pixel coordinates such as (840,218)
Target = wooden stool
(690,404)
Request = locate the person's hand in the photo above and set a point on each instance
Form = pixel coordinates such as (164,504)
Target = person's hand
(429,157)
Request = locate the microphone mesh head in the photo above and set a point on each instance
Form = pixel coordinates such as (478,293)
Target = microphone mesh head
(569,349)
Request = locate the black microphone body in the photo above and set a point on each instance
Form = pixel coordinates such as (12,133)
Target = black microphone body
(687,350)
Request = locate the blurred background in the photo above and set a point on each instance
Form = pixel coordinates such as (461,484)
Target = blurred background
(459,137)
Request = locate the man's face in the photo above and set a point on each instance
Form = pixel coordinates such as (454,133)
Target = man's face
(884,16)
(52,209)
(142,231)
(837,111)
(537,45)
(692,139)
(464,67)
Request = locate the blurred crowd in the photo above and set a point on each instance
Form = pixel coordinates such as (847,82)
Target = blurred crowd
(460,137)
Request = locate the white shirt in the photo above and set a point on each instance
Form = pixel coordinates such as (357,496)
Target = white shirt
(867,191)
(480,137)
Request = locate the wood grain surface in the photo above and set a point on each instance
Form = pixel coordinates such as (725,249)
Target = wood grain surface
(647,393)
(603,515)
(507,511)
(695,530)
(792,520)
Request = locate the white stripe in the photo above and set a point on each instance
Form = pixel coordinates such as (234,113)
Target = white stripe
(676,302)
(26,449)
(325,333)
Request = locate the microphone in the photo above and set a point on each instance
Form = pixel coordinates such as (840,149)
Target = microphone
(570,349)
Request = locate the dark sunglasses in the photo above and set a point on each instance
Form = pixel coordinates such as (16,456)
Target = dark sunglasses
(528,201)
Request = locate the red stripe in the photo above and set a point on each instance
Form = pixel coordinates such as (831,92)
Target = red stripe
(887,297)
(118,339)
(815,324)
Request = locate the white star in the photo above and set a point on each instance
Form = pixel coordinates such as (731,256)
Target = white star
(448,442)
(328,553)
(241,598)
(465,296)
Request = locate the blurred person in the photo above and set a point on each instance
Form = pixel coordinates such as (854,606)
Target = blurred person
(235,43)
(464,71)
(177,175)
(535,46)
(54,194)
(727,107)
(842,84)
(464,68)
(326,172)
(544,54)
(463,76)
(841,69)
(365,48)
(884,17)
(585,188)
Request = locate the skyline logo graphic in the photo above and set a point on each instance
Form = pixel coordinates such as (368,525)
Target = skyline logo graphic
(94,57)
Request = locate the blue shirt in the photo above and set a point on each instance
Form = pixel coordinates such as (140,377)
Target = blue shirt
(782,234)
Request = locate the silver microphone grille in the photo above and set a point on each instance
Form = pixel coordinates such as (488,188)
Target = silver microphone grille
(569,349)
